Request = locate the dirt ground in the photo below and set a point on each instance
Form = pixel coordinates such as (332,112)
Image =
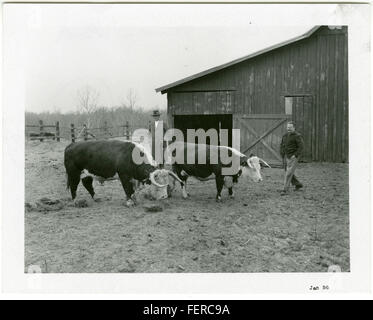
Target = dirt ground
(258,231)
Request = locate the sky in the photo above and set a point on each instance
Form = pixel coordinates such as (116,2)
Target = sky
(117,48)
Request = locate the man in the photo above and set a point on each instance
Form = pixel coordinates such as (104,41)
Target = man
(154,125)
(291,149)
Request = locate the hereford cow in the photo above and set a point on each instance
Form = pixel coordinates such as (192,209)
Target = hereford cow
(213,165)
(105,159)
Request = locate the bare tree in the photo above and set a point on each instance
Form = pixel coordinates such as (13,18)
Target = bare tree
(131,98)
(87,102)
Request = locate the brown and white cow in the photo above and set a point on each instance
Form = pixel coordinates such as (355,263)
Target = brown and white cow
(105,159)
(213,166)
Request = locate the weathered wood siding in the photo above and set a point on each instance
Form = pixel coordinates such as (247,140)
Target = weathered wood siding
(315,67)
(202,102)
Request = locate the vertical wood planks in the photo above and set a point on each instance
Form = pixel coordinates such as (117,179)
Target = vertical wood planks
(345,101)
(316,68)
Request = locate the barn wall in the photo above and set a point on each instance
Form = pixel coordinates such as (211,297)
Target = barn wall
(316,67)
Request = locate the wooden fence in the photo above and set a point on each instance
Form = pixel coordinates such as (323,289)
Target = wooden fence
(40,132)
(43,131)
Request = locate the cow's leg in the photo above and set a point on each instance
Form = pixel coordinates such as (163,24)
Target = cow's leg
(87,183)
(184,177)
(73,181)
(219,186)
(183,188)
(171,187)
(128,189)
(230,191)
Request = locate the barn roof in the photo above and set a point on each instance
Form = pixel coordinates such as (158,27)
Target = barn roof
(231,63)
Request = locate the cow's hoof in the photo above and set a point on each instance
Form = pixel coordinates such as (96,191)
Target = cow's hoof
(218,199)
(130,203)
(231,196)
(81,203)
(133,198)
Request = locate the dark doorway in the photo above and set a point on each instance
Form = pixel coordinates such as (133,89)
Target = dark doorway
(205,122)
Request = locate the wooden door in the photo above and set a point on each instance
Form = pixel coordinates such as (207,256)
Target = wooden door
(261,135)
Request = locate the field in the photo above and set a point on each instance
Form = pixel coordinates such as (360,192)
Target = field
(258,231)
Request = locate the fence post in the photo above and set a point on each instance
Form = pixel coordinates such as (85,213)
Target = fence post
(124,130)
(41,130)
(85,133)
(58,131)
(127,130)
(105,130)
(72,133)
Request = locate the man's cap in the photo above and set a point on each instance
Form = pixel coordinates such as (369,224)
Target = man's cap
(156,113)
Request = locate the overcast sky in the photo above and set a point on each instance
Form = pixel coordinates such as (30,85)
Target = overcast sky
(115,48)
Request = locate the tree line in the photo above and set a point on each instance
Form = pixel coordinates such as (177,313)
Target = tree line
(116,116)
(89,112)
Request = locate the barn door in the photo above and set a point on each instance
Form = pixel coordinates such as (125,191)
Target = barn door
(261,135)
(303,118)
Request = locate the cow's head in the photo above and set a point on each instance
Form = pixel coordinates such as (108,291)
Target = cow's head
(159,183)
(146,171)
(251,167)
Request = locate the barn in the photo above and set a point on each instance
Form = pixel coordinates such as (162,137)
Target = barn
(304,79)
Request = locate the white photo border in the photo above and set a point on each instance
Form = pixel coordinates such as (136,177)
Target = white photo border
(14,280)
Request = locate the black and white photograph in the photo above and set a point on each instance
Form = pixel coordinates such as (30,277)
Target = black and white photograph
(184,139)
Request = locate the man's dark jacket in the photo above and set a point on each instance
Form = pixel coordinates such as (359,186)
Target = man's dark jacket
(291,144)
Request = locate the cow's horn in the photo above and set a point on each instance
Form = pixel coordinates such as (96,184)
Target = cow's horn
(260,159)
(152,179)
(249,163)
(172,174)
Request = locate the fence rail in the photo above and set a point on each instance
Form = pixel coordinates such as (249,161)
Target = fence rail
(74,133)
(42,134)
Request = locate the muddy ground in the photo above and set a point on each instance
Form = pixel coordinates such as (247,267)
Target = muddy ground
(258,231)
